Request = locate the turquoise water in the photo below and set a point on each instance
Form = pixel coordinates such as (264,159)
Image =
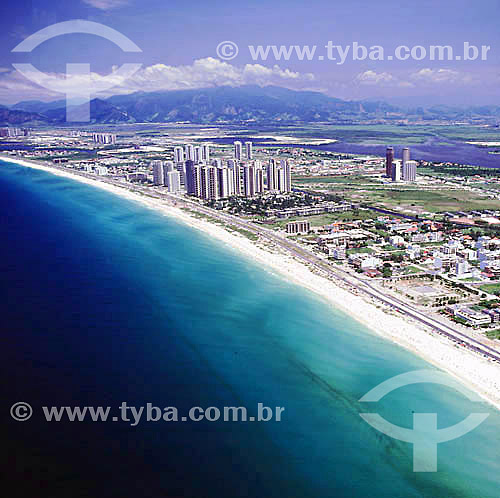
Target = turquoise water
(114,302)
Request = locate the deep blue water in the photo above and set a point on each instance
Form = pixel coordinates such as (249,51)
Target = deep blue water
(104,301)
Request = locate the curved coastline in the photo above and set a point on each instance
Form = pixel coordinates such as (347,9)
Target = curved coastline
(473,371)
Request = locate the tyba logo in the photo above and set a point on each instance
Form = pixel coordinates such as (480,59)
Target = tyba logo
(425,436)
(79,83)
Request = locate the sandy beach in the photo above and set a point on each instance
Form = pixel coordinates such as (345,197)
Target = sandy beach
(475,372)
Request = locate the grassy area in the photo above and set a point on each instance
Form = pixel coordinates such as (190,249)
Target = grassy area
(327,218)
(360,250)
(431,244)
(249,235)
(393,250)
(493,334)
(344,179)
(201,216)
(410,270)
(490,288)
(432,200)
(356,214)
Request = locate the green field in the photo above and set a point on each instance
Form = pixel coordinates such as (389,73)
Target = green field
(408,197)
(432,200)
(344,179)
(410,270)
(493,334)
(491,288)
(360,250)
(327,218)
(246,233)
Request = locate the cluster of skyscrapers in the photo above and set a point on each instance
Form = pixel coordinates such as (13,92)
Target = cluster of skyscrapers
(404,170)
(221,178)
(11,132)
(164,173)
(104,138)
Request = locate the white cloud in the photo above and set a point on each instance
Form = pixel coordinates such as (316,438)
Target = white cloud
(210,72)
(372,78)
(106,4)
(428,75)
(421,78)
(203,73)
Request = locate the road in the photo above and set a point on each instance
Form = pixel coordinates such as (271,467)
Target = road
(315,262)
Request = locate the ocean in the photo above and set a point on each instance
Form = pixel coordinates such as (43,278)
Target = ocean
(105,301)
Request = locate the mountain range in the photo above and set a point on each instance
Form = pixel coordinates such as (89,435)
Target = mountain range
(246,104)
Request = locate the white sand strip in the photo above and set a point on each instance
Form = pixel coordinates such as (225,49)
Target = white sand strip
(477,373)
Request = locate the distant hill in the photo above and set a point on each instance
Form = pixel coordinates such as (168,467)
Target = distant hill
(245,104)
(213,105)
(17,118)
(38,106)
(101,111)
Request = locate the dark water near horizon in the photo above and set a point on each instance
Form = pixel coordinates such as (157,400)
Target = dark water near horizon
(105,301)
(432,150)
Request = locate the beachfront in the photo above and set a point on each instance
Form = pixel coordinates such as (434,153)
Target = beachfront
(472,370)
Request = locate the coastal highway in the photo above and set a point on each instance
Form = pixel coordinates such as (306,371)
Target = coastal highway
(310,260)
(355,282)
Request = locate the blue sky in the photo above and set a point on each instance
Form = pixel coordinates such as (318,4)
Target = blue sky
(179,39)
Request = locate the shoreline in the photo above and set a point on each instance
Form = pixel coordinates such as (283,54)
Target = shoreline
(476,373)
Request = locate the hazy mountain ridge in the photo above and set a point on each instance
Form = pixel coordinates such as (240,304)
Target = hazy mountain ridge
(236,104)
(17,117)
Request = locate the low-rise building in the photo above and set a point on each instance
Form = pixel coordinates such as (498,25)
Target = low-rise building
(337,252)
(473,317)
(371,262)
(396,240)
(493,314)
(461,268)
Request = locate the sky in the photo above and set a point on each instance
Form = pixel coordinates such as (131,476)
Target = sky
(178,40)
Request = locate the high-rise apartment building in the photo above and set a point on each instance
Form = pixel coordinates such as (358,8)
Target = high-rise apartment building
(396,171)
(104,138)
(224,177)
(287,184)
(181,168)
(249,150)
(236,174)
(249,181)
(238,150)
(409,171)
(209,183)
(193,179)
(178,155)
(205,153)
(173,181)
(259,177)
(272,176)
(189,150)
(158,172)
(389,159)
(406,155)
